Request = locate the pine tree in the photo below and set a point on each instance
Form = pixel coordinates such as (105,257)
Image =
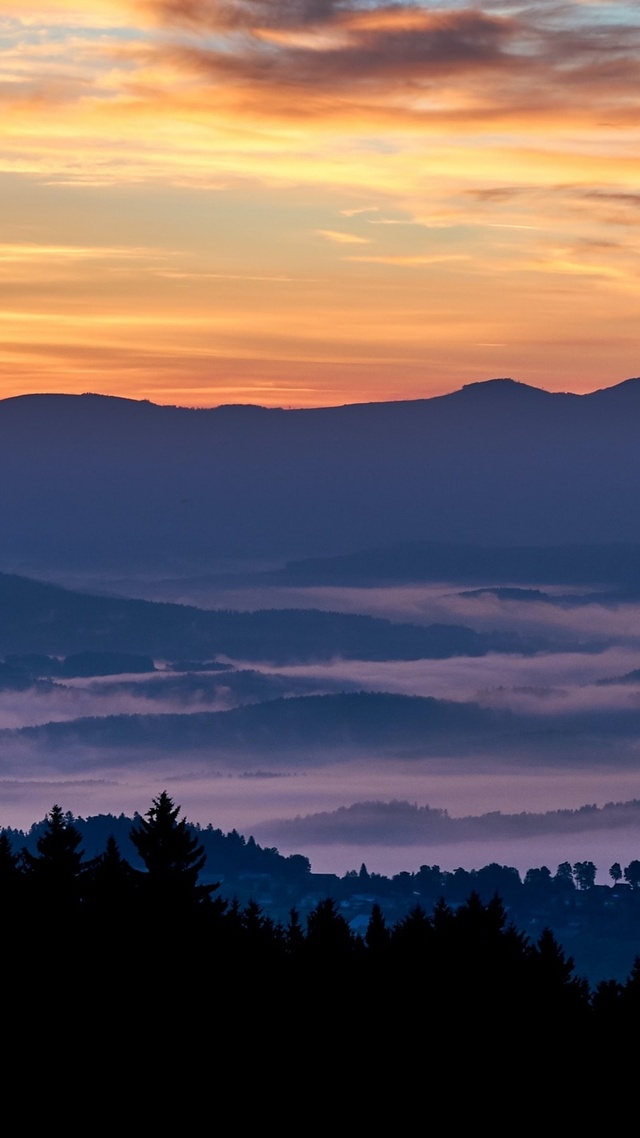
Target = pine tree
(377,937)
(56,870)
(558,990)
(328,933)
(294,934)
(172,856)
(9,863)
(11,879)
(111,882)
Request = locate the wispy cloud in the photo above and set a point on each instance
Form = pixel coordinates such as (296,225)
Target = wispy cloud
(359,210)
(23,252)
(341,238)
(409,261)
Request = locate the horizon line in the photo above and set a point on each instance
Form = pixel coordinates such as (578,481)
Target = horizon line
(490,381)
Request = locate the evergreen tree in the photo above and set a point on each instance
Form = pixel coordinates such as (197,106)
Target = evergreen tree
(557,991)
(111,882)
(413,935)
(294,935)
(377,937)
(172,856)
(328,934)
(56,870)
(9,863)
(262,939)
(11,880)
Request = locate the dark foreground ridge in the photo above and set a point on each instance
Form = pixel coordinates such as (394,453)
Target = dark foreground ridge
(598,924)
(297,999)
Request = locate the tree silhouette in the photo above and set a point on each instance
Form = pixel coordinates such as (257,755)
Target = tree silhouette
(172,856)
(557,987)
(377,937)
(563,879)
(615,872)
(11,880)
(632,874)
(294,935)
(328,934)
(537,881)
(111,882)
(585,874)
(9,863)
(413,935)
(56,869)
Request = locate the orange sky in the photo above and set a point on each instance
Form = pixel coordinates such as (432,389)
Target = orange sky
(209,201)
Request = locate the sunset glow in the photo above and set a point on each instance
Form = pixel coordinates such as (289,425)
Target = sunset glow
(214,201)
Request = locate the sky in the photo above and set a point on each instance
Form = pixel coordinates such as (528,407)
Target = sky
(316,202)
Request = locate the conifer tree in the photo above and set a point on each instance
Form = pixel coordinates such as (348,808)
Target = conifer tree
(55,871)
(377,936)
(111,881)
(171,854)
(11,879)
(9,863)
(328,933)
(294,934)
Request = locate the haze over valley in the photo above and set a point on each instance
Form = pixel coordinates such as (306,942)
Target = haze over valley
(456,666)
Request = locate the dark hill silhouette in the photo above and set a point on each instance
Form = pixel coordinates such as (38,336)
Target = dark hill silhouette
(352,721)
(432,561)
(494,463)
(632,677)
(361,723)
(410,824)
(36,617)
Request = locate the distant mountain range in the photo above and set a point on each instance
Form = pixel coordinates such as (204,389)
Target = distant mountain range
(306,729)
(93,481)
(420,561)
(376,721)
(40,618)
(407,823)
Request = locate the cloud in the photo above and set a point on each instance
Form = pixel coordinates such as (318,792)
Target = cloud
(314,43)
(66,13)
(401,46)
(362,209)
(409,261)
(221,67)
(613,197)
(451,27)
(342,238)
(17,253)
(217,14)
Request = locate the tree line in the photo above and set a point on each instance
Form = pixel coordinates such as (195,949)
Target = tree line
(469,956)
(145,984)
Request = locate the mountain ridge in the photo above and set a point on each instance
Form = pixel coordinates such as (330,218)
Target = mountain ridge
(310,729)
(488,387)
(36,616)
(93,480)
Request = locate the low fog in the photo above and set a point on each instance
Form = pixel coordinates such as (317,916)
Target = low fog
(255,800)
(596,622)
(262,794)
